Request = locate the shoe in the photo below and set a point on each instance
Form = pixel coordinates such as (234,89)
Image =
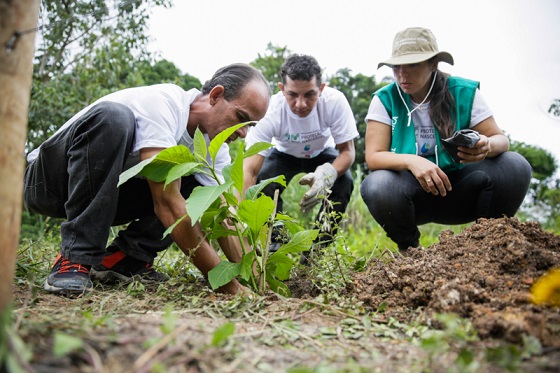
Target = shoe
(118,267)
(67,277)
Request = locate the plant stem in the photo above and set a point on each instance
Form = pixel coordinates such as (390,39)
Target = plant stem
(262,279)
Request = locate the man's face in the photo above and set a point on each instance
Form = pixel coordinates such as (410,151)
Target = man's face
(301,95)
(250,105)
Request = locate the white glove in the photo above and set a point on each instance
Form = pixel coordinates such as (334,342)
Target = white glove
(320,182)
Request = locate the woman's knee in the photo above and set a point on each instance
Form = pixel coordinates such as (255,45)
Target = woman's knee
(375,189)
(522,167)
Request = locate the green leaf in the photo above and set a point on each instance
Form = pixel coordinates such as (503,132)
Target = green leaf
(256,148)
(281,265)
(221,138)
(65,344)
(209,217)
(202,197)
(285,219)
(223,273)
(180,170)
(301,241)
(231,199)
(169,320)
(219,231)
(200,146)
(222,333)
(255,213)
(247,260)
(253,191)
(133,171)
(157,167)
(226,171)
(237,171)
(277,286)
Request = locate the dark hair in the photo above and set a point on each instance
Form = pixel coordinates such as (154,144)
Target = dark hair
(442,106)
(301,67)
(233,78)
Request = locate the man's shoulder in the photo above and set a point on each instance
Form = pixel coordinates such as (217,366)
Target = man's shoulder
(332,97)
(330,91)
(276,104)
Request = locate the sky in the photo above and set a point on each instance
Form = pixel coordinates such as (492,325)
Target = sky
(511,46)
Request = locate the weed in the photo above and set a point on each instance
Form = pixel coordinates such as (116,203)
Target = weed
(455,337)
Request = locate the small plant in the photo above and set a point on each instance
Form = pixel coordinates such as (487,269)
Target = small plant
(457,335)
(222,211)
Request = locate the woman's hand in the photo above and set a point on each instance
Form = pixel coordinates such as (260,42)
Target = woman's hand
(430,176)
(475,153)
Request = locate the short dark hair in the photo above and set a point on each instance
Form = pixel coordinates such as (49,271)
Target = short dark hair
(233,78)
(301,67)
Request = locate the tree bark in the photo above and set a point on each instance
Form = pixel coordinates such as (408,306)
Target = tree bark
(17,45)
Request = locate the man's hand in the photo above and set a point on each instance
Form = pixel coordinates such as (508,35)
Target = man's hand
(320,182)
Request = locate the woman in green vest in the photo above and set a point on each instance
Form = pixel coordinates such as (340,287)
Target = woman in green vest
(415,179)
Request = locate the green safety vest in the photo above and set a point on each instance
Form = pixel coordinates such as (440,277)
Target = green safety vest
(403,137)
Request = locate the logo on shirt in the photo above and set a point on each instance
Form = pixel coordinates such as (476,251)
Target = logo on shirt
(294,137)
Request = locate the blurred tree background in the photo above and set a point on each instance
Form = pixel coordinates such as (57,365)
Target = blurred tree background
(87,49)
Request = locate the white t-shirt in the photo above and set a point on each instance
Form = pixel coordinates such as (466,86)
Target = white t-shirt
(162,113)
(331,122)
(425,135)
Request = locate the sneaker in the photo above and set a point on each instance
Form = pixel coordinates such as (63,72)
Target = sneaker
(118,267)
(67,277)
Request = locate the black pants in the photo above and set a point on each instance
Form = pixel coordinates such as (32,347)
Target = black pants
(278,163)
(488,189)
(75,177)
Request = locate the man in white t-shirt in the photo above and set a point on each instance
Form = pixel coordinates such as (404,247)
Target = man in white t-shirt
(74,175)
(312,128)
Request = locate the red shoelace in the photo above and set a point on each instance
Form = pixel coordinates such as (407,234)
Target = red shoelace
(66,266)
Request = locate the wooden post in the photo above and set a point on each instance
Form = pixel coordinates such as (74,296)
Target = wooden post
(18,22)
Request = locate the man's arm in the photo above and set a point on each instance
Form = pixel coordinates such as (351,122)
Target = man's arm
(169,206)
(251,167)
(346,157)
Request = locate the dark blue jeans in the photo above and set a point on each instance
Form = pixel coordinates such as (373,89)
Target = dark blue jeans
(278,163)
(75,177)
(491,188)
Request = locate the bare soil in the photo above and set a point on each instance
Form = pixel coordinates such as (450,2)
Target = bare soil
(375,323)
(483,274)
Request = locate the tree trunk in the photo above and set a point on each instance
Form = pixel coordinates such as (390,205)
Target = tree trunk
(17,45)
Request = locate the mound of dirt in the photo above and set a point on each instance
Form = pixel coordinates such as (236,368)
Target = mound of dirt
(483,273)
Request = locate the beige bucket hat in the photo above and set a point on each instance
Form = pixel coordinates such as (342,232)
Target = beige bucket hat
(414,45)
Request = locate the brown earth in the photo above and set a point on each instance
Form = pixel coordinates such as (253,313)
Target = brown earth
(482,274)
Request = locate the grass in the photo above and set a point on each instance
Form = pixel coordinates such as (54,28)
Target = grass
(363,237)
(186,302)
